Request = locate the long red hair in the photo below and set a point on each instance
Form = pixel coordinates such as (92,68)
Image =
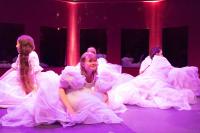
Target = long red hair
(26,46)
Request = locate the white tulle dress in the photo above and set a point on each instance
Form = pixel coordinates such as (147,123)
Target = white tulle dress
(180,78)
(87,99)
(11,90)
(153,89)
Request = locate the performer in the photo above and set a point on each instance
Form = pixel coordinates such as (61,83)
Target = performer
(81,97)
(24,77)
(152,87)
(180,78)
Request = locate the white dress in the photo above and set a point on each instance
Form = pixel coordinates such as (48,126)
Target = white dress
(180,78)
(11,89)
(152,89)
(87,99)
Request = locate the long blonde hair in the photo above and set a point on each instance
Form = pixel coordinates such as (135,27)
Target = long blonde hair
(26,46)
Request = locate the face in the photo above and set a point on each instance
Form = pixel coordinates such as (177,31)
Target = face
(17,46)
(160,53)
(90,64)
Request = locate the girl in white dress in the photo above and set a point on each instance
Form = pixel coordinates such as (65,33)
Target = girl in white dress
(21,80)
(180,78)
(80,97)
(152,87)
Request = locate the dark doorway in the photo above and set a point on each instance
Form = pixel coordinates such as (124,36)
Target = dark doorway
(175,45)
(93,37)
(53,46)
(134,44)
(9,33)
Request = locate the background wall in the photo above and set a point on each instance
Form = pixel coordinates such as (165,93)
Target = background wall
(112,16)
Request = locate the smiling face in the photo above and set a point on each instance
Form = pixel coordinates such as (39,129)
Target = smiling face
(88,63)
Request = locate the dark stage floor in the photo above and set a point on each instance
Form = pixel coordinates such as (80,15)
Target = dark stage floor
(136,120)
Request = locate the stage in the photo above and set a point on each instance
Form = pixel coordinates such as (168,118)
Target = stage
(136,120)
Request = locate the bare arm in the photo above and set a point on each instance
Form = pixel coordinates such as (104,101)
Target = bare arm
(65,101)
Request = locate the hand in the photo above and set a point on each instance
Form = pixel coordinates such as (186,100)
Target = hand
(70,110)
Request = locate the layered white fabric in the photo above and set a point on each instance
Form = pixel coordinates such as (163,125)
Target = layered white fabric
(45,107)
(159,86)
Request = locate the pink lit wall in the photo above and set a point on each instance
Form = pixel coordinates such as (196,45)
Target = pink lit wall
(185,13)
(33,14)
(110,16)
(113,17)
